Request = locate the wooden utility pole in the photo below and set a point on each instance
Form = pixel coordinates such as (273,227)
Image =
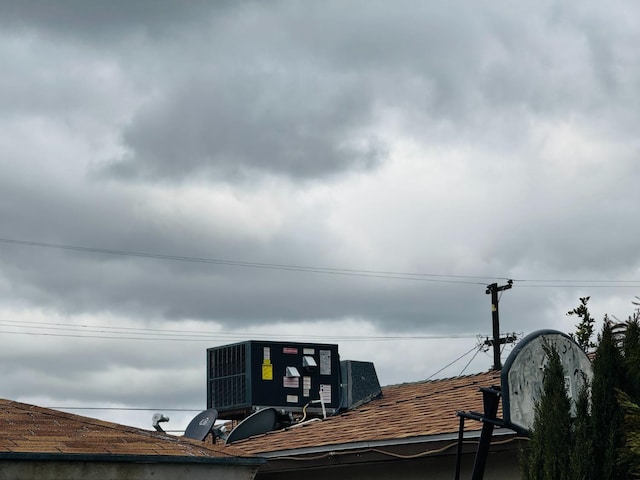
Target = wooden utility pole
(493,289)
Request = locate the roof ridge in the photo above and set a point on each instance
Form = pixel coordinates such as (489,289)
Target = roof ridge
(445,379)
(72,416)
(118,427)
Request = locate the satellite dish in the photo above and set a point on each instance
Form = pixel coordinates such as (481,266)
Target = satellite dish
(262,421)
(523,372)
(201,425)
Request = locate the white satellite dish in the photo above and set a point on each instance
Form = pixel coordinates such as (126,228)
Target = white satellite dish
(522,374)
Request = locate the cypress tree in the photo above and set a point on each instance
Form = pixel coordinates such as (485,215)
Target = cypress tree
(629,397)
(606,413)
(582,445)
(602,442)
(631,352)
(549,456)
(631,453)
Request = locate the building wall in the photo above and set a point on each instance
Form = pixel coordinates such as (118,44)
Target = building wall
(500,466)
(81,470)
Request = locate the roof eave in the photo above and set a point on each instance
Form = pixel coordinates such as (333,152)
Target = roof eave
(105,457)
(394,442)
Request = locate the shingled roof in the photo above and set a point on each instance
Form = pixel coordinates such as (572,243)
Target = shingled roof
(30,429)
(407,412)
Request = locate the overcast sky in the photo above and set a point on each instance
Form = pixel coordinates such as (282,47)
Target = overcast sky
(405,154)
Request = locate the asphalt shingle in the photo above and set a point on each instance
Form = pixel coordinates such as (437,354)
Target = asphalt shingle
(31,429)
(404,411)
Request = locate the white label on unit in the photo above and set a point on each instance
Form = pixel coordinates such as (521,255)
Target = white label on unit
(308,351)
(291,382)
(292,399)
(266,353)
(306,386)
(325,362)
(325,393)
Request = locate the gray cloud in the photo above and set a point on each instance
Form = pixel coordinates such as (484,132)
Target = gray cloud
(231,126)
(108,22)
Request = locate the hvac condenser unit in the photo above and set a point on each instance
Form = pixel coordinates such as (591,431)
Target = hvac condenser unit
(359,383)
(247,376)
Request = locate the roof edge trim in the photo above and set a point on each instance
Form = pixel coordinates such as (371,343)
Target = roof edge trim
(106,457)
(377,443)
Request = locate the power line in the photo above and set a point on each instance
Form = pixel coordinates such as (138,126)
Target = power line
(383,274)
(425,277)
(586,284)
(130,333)
(177,339)
(573,281)
(470,360)
(454,361)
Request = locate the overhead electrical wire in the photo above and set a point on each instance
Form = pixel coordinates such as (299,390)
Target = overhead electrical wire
(224,334)
(176,339)
(470,360)
(129,333)
(475,347)
(383,274)
(425,277)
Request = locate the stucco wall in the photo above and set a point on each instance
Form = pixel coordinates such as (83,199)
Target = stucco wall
(78,470)
(500,466)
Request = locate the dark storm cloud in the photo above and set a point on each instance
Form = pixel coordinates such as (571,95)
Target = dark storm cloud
(103,21)
(257,113)
(293,91)
(230,126)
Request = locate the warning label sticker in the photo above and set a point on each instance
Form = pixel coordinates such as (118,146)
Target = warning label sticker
(290,350)
(267,370)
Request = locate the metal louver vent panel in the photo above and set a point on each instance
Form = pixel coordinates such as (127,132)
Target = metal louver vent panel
(229,391)
(228,376)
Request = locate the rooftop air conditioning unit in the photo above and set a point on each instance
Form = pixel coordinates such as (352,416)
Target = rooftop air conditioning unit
(245,377)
